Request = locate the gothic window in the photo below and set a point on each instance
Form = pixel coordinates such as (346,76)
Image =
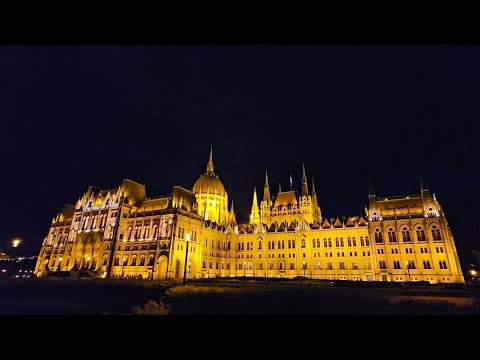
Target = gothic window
(396,264)
(337,243)
(117,261)
(436,234)
(317,266)
(426,264)
(283,244)
(410,264)
(313,243)
(378,236)
(134,260)
(392,237)
(289,244)
(342,265)
(349,242)
(279,244)
(318,243)
(303,243)
(368,266)
(325,243)
(142,260)
(382,264)
(406,235)
(292,266)
(329,266)
(362,243)
(281,265)
(259,244)
(421,234)
(354,266)
(270,266)
(367,241)
(329,242)
(443,264)
(151,260)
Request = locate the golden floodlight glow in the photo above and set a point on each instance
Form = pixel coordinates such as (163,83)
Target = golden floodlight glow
(16,242)
(473,272)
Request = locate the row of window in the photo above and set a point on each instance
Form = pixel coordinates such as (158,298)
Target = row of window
(406,237)
(151,260)
(410,264)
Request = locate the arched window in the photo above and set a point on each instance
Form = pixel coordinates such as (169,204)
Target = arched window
(117,261)
(125,260)
(259,244)
(303,243)
(367,241)
(105,260)
(349,241)
(151,260)
(354,241)
(436,233)
(329,242)
(378,236)
(421,234)
(392,237)
(281,265)
(341,242)
(362,243)
(142,260)
(318,243)
(293,244)
(313,243)
(228,245)
(325,244)
(279,244)
(134,260)
(289,244)
(337,243)
(317,266)
(406,235)
(271,266)
(283,244)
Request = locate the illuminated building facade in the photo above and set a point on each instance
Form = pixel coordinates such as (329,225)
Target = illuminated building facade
(123,233)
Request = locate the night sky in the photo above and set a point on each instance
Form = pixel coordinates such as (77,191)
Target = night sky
(74,116)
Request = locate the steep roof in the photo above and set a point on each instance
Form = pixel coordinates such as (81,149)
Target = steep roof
(286,198)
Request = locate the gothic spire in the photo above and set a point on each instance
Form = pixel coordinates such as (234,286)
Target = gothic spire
(304,182)
(314,194)
(255,214)
(266,189)
(371,191)
(231,216)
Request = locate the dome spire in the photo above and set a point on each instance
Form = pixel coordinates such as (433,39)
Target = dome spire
(210,161)
(255,214)
(304,182)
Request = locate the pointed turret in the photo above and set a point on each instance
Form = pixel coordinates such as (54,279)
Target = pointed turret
(291,182)
(304,182)
(231,216)
(266,189)
(279,187)
(255,214)
(210,161)
(314,195)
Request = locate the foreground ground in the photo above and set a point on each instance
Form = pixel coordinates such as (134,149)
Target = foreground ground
(100,296)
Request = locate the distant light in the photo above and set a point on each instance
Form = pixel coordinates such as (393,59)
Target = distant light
(408,197)
(16,242)
(473,272)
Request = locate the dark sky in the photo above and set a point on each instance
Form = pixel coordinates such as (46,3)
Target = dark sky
(74,116)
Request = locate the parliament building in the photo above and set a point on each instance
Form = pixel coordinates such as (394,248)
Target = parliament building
(121,232)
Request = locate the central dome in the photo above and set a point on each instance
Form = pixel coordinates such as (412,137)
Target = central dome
(209,183)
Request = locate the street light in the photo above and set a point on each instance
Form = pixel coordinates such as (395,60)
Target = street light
(304,268)
(187,239)
(60,263)
(408,270)
(244,267)
(474,274)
